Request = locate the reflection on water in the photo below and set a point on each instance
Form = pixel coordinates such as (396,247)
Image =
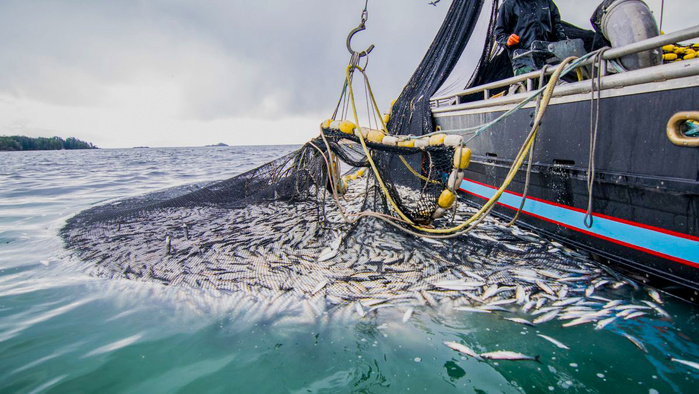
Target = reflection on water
(64,331)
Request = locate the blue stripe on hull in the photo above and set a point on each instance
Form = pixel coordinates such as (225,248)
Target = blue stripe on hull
(656,241)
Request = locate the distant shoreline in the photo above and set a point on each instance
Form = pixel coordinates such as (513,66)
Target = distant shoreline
(23,143)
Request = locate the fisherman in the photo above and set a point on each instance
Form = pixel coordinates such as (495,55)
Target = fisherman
(520,23)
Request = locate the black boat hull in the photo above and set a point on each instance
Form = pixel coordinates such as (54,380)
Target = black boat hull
(645,199)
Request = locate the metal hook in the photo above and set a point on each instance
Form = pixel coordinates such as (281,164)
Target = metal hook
(349,40)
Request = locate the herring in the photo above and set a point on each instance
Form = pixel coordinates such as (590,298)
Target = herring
(507,355)
(555,342)
(463,349)
(685,362)
(636,342)
(603,323)
(520,321)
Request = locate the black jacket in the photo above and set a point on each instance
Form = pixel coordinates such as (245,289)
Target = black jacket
(531,20)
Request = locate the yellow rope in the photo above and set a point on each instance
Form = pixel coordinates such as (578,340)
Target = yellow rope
(510,176)
(424,178)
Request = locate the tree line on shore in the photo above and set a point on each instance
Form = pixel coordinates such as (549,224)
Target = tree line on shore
(19,142)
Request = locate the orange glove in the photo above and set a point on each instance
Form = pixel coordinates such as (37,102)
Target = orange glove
(512,40)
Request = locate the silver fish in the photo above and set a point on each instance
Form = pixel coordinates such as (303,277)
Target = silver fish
(612,304)
(562,292)
(580,320)
(590,289)
(520,321)
(685,362)
(407,315)
(360,310)
(489,291)
(634,315)
(555,342)
(603,323)
(657,308)
(543,286)
(655,296)
(528,305)
(463,349)
(507,355)
(546,317)
(520,294)
(470,309)
(567,301)
(636,342)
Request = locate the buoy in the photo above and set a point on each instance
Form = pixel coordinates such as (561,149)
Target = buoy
(669,48)
(462,158)
(406,144)
(437,139)
(690,56)
(375,136)
(347,127)
(361,172)
(326,124)
(453,140)
(390,140)
(446,199)
(386,118)
(669,57)
(422,142)
(455,179)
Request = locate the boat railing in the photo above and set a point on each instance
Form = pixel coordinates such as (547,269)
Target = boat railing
(530,80)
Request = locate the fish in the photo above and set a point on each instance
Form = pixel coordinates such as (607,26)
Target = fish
(489,292)
(502,302)
(579,321)
(567,301)
(655,296)
(636,342)
(407,315)
(590,289)
(562,292)
(634,315)
(624,307)
(520,321)
(360,310)
(470,309)
(619,284)
(528,305)
(546,317)
(494,308)
(463,349)
(685,362)
(507,355)
(603,323)
(657,308)
(555,342)
(520,294)
(319,287)
(543,286)
(326,254)
(612,304)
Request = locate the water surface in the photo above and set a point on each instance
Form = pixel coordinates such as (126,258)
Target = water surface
(63,330)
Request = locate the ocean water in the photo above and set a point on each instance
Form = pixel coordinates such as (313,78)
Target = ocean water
(63,330)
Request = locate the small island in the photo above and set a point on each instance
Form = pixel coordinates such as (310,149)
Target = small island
(20,142)
(219,144)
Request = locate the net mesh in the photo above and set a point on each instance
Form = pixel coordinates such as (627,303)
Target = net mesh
(296,227)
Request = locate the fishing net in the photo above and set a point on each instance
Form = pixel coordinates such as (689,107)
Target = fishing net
(357,214)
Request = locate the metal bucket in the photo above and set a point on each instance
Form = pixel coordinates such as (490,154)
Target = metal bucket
(627,21)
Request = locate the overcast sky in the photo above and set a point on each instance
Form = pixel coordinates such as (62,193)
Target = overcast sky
(126,73)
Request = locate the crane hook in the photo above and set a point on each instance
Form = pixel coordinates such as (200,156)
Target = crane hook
(355,31)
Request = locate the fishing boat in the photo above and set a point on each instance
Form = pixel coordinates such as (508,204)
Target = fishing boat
(615,167)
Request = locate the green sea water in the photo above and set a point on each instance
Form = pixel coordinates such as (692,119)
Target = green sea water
(64,331)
